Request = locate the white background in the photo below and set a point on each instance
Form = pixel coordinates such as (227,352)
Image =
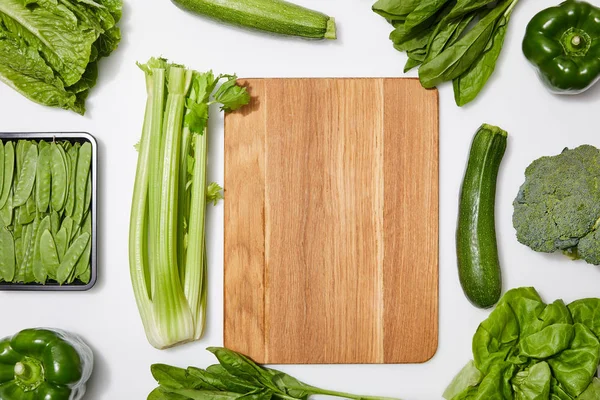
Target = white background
(538,124)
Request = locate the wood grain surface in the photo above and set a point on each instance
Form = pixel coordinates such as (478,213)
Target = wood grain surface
(331,222)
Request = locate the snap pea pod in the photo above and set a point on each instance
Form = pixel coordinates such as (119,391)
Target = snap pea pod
(6,212)
(1,165)
(71,257)
(28,251)
(9,168)
(82,269)
(39,269)
(48,254)
(61,242)
(72,155)
(43,179)
(69,226)
(59,177)
(88,195)
(83,168)
(21,252)
(18,253)
(26,177)
(54,222)
(7,256)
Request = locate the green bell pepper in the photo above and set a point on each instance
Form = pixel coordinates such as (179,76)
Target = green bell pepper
(44,364)
(563,43)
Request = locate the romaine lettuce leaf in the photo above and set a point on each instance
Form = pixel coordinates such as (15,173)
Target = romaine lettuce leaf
(49,48)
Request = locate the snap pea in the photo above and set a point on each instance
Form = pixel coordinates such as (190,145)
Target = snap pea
(18,252)
(42,144)
(82,268)
(59,177)
(61,242)
(28,251)
(26,177)
(83,168)
(1,165)
(48,253)
(9,168)
(72,156)
(39,269)
(71,257)
(7,255)
(23,241)
(26,214)
(21,149)
(88,195)
(54,222)
(6,212)
(43,179)
(68,224)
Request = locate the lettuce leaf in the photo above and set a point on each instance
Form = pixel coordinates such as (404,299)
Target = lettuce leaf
(49,48)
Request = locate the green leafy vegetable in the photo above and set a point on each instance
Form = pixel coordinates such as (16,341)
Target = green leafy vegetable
(451,40)
(558,207)
(527,349)
(39,242)
(167,232)
(49,49)
(235,377)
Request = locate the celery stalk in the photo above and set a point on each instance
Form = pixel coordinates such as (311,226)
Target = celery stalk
(167,246)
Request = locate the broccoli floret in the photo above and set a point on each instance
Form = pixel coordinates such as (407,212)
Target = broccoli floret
(558,206)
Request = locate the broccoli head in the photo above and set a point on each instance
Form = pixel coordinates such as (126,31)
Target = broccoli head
(558,206)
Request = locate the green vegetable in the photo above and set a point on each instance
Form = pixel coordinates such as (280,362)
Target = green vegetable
(50,49)
(276,16)
(476,249)
(167,255)
(558,207)
(43,364)
(457,41)
(527,349)
(562,43)
(235,377)
(39,236)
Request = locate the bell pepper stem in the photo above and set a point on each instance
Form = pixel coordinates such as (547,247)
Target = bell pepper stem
(29,374)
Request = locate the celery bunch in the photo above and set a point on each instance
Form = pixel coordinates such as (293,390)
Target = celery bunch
(167,250)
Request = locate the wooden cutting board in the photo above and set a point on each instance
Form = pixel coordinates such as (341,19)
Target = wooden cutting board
(331,222)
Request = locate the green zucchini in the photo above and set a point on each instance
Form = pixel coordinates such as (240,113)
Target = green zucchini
(476,248)
(276,16)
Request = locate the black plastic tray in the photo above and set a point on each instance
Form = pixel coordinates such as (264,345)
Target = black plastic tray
(81,137)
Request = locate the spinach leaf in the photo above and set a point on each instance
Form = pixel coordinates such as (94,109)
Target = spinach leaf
(161,394)
(468,85)
(174,378)
(192,394)
(533,383)
(441,37)
(424,11)
(406,41)
(576,366)
(220,379)
(394,9)
(463,7)
(462,27)
(456,59)
(411,63)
